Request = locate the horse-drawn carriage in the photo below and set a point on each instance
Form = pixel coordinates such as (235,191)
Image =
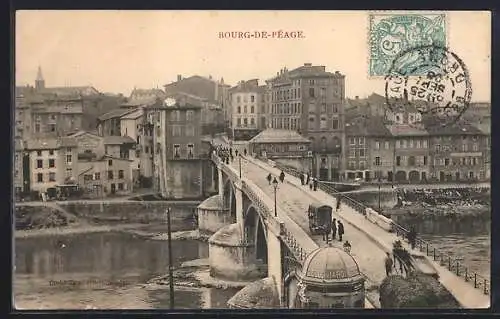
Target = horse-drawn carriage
(320,218)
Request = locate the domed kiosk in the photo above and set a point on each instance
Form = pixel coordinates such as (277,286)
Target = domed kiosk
(330,278)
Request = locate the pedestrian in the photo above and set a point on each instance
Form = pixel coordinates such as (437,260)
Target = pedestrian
(236,153)
(315,184)
(269,178)
(245,152)
(231,152)
(340,229)
(334,229)
(412,237)
(326,233)
(388,264)
(311,185)
(337,207)
(282,176)
(308,179)
(347,247)
(302,178)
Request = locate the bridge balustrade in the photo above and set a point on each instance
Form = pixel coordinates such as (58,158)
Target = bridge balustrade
(444,259)
(256,195)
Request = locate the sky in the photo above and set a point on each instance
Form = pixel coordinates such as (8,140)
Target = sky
(115,51)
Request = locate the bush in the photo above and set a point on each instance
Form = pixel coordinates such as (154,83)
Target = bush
(417,290)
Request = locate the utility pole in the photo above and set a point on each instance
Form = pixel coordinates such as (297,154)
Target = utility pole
(170,267)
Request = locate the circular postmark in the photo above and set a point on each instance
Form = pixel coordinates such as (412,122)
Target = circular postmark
(432,80)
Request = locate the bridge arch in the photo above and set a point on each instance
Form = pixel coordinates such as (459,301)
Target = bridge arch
(255,234)
(229,198)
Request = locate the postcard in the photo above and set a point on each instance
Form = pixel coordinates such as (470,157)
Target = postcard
(252,160)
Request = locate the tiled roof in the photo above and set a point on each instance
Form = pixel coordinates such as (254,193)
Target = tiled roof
(279,136)
(454,129)
(372,126)
(114,114)
(70,90)
(132,116)
(406,130)
(42,144)
(116,140)
(80,133)
(67,142)
(140,102)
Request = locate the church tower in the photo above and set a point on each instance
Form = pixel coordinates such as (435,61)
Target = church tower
(39,82)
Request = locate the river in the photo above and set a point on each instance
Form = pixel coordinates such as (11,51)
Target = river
(105,271)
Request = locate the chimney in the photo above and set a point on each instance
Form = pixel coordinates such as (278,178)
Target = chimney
(308,64)
(179,77)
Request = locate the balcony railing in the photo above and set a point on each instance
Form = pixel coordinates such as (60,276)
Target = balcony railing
(445,259)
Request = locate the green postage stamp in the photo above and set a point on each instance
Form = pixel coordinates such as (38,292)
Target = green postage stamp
(391,33)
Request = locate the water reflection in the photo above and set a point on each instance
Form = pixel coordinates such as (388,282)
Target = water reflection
(109,269)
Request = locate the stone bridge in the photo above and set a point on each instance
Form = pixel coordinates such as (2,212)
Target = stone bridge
(267,242)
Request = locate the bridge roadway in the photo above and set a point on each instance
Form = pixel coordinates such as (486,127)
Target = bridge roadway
(294,202)
(369,241)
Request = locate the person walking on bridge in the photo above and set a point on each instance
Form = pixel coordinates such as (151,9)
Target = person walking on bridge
(245,152)
(388,264)
(308,178)
(337,207)
(315,184)
(412,237)
(269,178)
(236,153)
(302,178)
(326,232)
(340,229)
(334,229)
(282,176)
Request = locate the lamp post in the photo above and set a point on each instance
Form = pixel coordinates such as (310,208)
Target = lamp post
(170,268)
(275,185)
(379,182)
(239,160)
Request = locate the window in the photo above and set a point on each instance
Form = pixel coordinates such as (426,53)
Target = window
(425,160)
(323,107)
(97,176)
(190,150)
(52,163)
(398,160)
(446,162)
(120,186)
(362,164)
(69,159)
(175,115)
(245,109)
(239,122)
(38,153)
(398,144)
(464,147)
(410,143)
(176,130)
(252,99)
(189,130)
(352,153)
(437,148)
(322,92)
(361,140)
(176,151)
(403,144)
(377,145)
(110,162)
(475,147)
(52,177)
(386,145)
(39,178)
(51,152)
(239,109)
(377,161)
(121,174)
(252,121)
(39,164)
(311,92)
(335,124)
(323,124)
(352,140)
(110,175)
(238,99)
(245,122)
(418,143)
(361,152)
(352,165)
(411,161)
(335,108)
(424,144)
(252,109)
(189,115)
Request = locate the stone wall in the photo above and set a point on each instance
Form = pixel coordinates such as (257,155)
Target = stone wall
(130,212)
(388,199)
(184,179)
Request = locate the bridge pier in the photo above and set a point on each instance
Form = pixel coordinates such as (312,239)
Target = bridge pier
(274,261)
(212,215)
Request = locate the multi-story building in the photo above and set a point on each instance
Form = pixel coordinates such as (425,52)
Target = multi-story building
(18,165)
(105,175)
(457,152)
(311,100)
(211,90)
(146,94)
(485,128)
(52,162)
(411,157)
(246,108)
(177,145)
(369,149)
